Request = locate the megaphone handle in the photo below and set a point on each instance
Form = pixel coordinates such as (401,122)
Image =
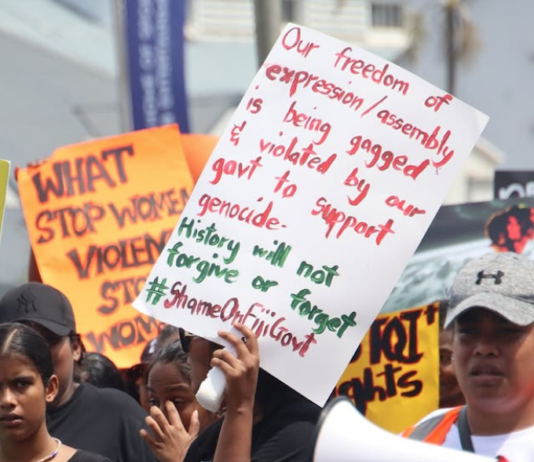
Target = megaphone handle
(211,391)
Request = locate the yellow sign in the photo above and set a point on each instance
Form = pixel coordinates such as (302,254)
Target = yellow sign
(4,180)
(393,378)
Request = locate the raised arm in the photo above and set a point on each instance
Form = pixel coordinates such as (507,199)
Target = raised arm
(241,371)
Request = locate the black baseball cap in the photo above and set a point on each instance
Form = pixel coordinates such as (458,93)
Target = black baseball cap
(41,304)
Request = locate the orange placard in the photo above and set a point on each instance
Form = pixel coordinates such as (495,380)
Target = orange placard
(198,149)
(98,215)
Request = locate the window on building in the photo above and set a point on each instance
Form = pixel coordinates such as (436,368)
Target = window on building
(384,15)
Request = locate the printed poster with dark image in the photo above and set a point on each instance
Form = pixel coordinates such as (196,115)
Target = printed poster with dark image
(507,184)
(458,234)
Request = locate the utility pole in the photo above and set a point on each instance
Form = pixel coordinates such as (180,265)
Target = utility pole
(268,15)
(125,116)
(298,12)
(450,34)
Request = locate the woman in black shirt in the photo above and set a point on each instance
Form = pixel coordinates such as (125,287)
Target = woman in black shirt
(264,419)
(27,385)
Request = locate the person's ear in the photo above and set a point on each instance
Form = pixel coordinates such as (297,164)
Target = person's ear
(76,350)
(52,389)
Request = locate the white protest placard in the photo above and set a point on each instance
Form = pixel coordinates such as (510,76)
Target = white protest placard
(315,198)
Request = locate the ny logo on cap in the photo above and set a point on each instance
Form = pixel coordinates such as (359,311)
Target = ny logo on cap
(497,277)
(27,301)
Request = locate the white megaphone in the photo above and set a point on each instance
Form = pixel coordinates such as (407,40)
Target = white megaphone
(344,435)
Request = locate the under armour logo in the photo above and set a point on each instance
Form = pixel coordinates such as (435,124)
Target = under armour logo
(498,277)
(26,301)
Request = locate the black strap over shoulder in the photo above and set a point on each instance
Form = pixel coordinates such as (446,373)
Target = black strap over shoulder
(463,430)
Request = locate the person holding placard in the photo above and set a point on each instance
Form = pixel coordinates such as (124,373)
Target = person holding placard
(264,419)
(492,314)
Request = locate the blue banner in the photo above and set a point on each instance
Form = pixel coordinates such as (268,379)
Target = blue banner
(155,50)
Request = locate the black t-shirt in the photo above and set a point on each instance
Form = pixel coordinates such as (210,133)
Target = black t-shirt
(103,421)
(285,435)
(84,456)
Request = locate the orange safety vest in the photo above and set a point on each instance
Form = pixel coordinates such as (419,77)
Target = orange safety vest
(435,429)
